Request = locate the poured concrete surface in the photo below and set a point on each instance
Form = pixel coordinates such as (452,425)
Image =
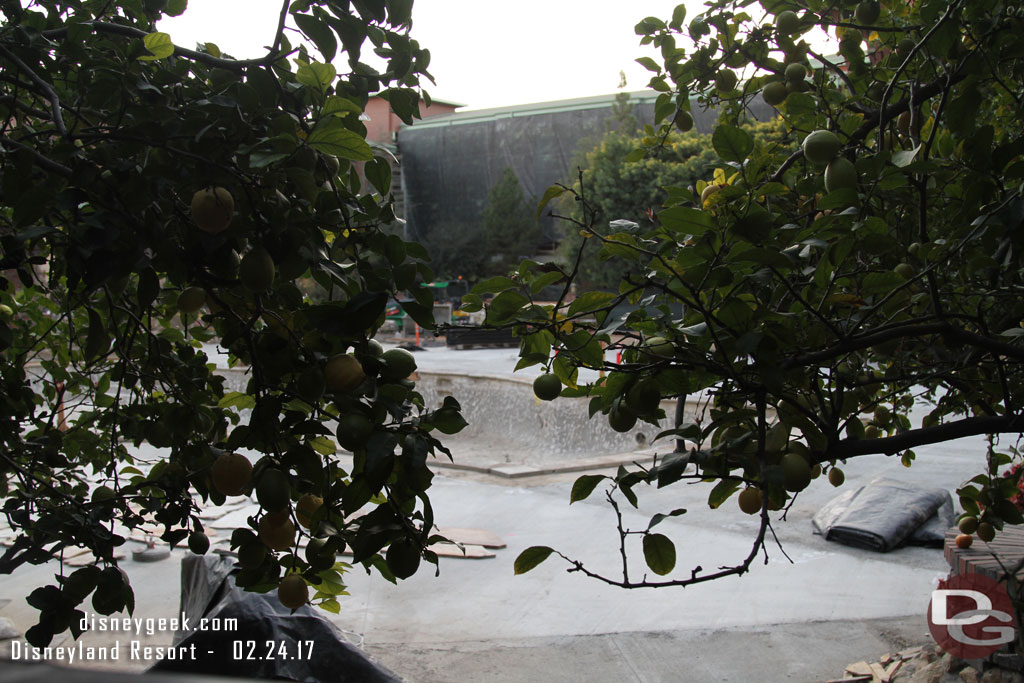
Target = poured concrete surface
(783,652)
(797,619)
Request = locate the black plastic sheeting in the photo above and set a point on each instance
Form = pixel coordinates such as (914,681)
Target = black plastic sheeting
(450,163)
(886,514)
(208,590)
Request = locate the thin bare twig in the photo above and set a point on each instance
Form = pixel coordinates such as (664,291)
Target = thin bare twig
(48,91)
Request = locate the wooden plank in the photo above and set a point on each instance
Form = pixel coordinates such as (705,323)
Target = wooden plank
(483,537)
(860,668)
(87,559)
(878,672)
(466,552)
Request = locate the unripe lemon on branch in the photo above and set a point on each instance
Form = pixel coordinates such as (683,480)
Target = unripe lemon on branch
(343,372)
(293,591)
(231,474)
(821,146)
(212,209)
(547,387)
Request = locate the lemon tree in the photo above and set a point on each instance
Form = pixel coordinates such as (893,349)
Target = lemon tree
(159,200)
(867,260)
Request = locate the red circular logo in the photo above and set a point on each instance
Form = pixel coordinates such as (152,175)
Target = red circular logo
(971,616)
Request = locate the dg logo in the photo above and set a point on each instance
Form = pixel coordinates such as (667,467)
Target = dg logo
(971,616)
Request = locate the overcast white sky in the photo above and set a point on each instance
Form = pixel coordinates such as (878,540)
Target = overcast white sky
(484,53)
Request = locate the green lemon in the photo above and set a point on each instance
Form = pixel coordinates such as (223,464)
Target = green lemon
(821,146)
(659,346)
(621,420)
(684,121)
(198,542)
(273,490)
(311,384)
(293,591)
(836,477)
(774,93)
(787,22)
(547,387)
(354,429)
(840,173)
(796,472)
(212,209)
(725,80)
(904,270)
(398,364)
(750,500)
(796,72)
(644,397)
(191,299)
(867,12)
(343,373)
(256,271)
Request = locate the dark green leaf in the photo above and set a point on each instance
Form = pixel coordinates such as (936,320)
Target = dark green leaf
(549,194)
(316,75)
(320,33)
(545,280)
(660,517)
(686,221)
(176,7)
(530,558)
(590,301)
(505,306)
(494,285)
(671,468)
(659,553)
(331,137)
(649,64)
(449,421)
(721,492)
(732,143)
(584,486)
(378,172)
(340,106)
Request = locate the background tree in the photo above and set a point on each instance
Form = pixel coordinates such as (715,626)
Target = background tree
(824,291)
(157,199)
(617,186)
(510,228)
(506,233)
(456,249)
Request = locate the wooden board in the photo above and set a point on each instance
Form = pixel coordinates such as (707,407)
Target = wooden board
(87,559)
(465,552)
(482,537)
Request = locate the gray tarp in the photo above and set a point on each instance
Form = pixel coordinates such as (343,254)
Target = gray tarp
(208,590)
(886,514)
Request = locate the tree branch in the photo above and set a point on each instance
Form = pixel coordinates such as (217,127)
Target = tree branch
(43,162)
(279,36)
(201,57)
(49,92)
(695,577)
(903,331)
(971,426)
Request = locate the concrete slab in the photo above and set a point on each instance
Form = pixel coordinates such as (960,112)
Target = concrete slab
(777,652)
(513,471)
(810,610)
